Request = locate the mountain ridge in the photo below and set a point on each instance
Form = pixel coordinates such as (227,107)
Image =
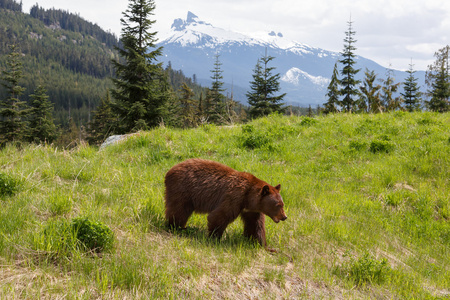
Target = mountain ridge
(191,45)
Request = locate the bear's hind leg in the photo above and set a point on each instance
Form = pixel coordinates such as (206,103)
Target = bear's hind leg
(254,226)
(218,221)
(177,217)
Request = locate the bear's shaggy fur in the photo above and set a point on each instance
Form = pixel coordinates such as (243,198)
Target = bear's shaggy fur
(204,186)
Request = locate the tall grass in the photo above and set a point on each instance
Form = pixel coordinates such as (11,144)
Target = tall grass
(366,196)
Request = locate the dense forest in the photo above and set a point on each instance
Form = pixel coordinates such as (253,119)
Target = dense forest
(68,55)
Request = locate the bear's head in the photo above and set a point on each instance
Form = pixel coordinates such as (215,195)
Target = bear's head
(271,203)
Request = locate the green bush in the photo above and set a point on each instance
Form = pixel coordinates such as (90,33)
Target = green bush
(357,146)
(93,236)
(8,185)
(381,146)
(367,269)
(251,139)
(307,121)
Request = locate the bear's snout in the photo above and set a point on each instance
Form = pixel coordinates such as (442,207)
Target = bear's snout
(284,218)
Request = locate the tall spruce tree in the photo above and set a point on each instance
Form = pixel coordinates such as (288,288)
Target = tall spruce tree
(42,124)
(215,102)
(140,85)
(411,94)
(332,104)
(13,111)
(264,87)
(438,81)
(349,84)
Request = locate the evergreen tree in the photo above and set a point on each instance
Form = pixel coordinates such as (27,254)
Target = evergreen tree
(331,106)
(140,85)
(389,89)
(215,108)
(370,96)
(412,94)
(262,98)
(348,82)
(13,111)
(103,122)
(188,107)
(438,79)
(42,125)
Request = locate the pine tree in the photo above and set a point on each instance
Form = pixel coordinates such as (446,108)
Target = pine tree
(438,80)
(370,96)
(331,106)
(389,89)
(412,94)
(103,122)
(140,85)
(348,82)
(215,109)
(440,91)
(42,124)
(262,98)
(13,111)
(188,107)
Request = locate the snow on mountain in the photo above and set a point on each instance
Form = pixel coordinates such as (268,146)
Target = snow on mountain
(295,75)
(191,45)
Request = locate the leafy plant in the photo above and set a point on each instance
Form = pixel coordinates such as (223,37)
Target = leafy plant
(251,139)
(8,185)
(367,269)
(93,236)
(377,146)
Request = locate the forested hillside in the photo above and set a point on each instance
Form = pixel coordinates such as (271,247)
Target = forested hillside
(70,56)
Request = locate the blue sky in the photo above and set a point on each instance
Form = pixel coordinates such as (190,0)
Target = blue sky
(391,32)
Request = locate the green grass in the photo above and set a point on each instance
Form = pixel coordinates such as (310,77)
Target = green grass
(367,199)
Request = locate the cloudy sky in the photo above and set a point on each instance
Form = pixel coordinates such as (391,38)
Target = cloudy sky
(391,32)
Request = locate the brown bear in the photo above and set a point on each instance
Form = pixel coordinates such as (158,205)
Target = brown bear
(205,186)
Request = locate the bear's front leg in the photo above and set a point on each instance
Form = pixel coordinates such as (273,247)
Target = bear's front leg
(254,226)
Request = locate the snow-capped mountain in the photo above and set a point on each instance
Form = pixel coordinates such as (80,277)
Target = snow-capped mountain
(191,45)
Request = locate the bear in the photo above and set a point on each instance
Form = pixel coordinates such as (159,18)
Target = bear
(205,186)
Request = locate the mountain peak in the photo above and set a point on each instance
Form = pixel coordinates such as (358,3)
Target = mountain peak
(191,18)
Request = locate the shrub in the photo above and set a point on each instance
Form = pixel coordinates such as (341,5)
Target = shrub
(8,185)
(307,121)
(357,146)
(381,146)
(251,139)
(367,269)
(93,236)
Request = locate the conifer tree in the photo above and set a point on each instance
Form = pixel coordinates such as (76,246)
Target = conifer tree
(13,111)
(388,91)
(411,94)
(438,80)
(215,108)
(370,96)
(262,97)
(42,124)
(331,106)
(188,107)
(348,82)
(140,85)
(103,122)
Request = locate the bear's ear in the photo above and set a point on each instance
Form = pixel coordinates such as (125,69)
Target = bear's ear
(265,190)
(278,187)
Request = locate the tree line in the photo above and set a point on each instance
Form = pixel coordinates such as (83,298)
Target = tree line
(347,94)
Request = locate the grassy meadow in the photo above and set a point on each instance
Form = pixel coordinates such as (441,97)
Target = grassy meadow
(367,199)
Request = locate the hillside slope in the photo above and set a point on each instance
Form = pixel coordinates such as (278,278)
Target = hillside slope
(73,64)
(366,198)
